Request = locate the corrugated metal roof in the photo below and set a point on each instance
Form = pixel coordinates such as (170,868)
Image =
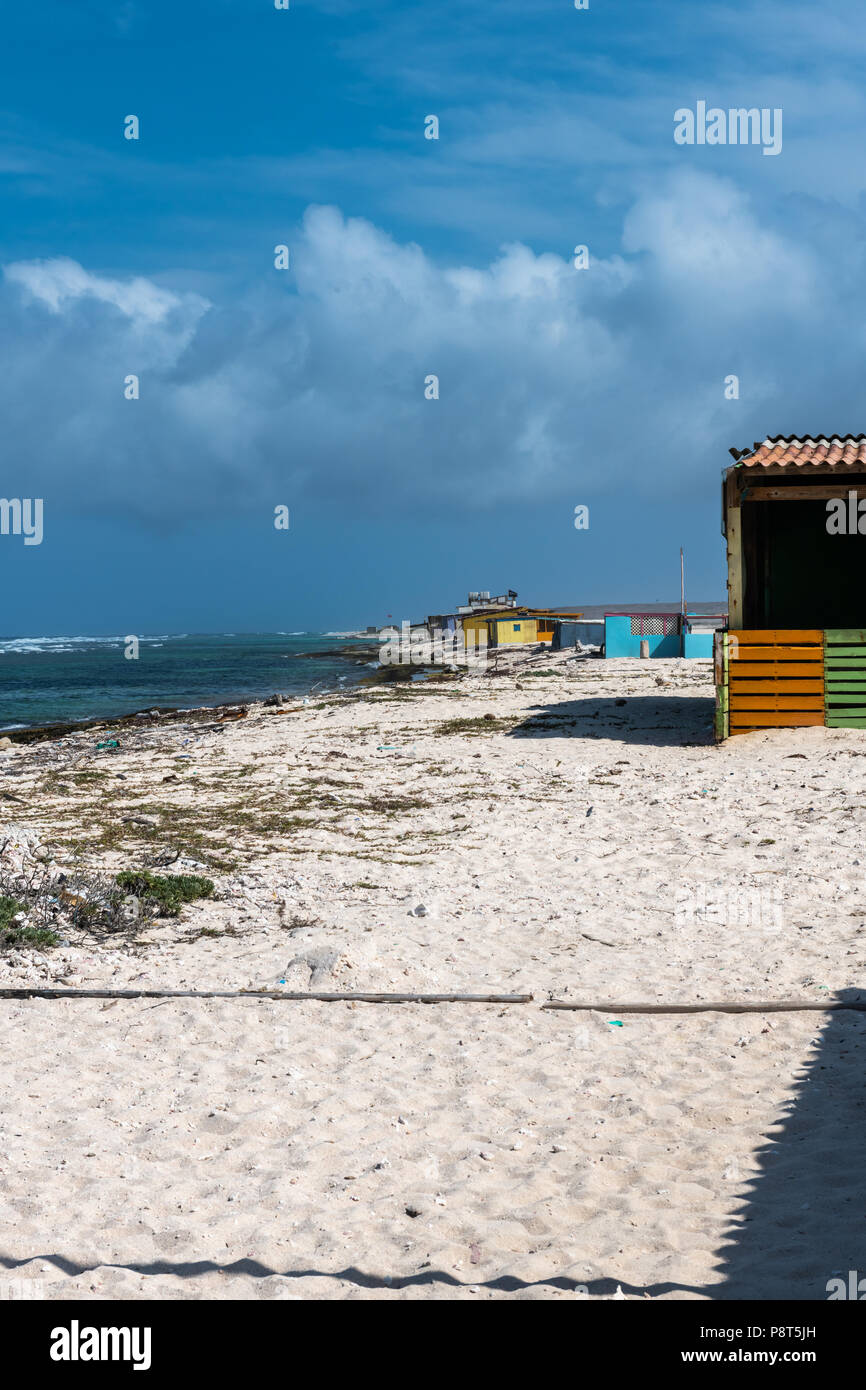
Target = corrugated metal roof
(804,451)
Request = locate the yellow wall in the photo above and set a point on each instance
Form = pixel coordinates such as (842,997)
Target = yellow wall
(500,630)
(526,630)
(474,625)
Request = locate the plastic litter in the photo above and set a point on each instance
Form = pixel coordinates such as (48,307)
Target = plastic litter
(615,1022)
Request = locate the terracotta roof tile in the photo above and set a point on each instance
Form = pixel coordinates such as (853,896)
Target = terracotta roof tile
(803,451)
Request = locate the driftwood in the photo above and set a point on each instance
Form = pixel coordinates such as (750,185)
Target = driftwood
(775,1006)
(37,992)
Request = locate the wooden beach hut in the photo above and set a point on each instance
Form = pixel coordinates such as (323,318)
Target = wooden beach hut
(514,626)
(511,628)
(794,519)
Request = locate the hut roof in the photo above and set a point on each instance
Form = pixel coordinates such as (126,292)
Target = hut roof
(843,451)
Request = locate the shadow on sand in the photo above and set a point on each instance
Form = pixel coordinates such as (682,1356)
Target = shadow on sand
(801,1219)
(668,721)
(804,1216)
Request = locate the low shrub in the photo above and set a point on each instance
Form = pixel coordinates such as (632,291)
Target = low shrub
(167,892)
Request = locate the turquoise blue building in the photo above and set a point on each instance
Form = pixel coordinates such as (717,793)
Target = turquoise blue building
(668,634)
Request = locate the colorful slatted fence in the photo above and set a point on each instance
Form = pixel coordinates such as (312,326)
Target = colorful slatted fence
(720,676)
(775,679)
(845,678)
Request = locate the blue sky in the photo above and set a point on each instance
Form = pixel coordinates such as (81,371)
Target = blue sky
(410,257)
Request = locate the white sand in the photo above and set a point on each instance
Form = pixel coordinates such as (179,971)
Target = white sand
(252,1149)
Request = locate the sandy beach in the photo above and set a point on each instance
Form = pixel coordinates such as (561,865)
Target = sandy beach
(568,830)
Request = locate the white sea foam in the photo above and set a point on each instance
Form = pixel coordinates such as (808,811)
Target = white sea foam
(32,646)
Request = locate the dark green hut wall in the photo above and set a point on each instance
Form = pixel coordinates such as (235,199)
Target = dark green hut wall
(798,575)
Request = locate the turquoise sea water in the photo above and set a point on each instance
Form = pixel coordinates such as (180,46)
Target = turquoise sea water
(44,680)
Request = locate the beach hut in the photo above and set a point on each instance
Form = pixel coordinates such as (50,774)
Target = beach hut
(512,627)
(666,634)
(794,519)
(515,626)
(568,632)
(624,633)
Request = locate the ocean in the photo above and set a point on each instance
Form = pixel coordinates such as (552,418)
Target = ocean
(47,680)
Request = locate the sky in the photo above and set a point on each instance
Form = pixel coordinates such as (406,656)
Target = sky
(605,385)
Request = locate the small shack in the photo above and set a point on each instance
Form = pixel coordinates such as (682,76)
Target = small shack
(568,632)
(624,632)
(514,626)
(794,519)
(666,634)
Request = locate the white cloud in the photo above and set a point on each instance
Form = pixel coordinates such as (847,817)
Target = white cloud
(311,384)
(700,232)
(61,281)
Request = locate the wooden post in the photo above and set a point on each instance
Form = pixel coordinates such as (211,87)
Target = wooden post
(734,536)
(720,675)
